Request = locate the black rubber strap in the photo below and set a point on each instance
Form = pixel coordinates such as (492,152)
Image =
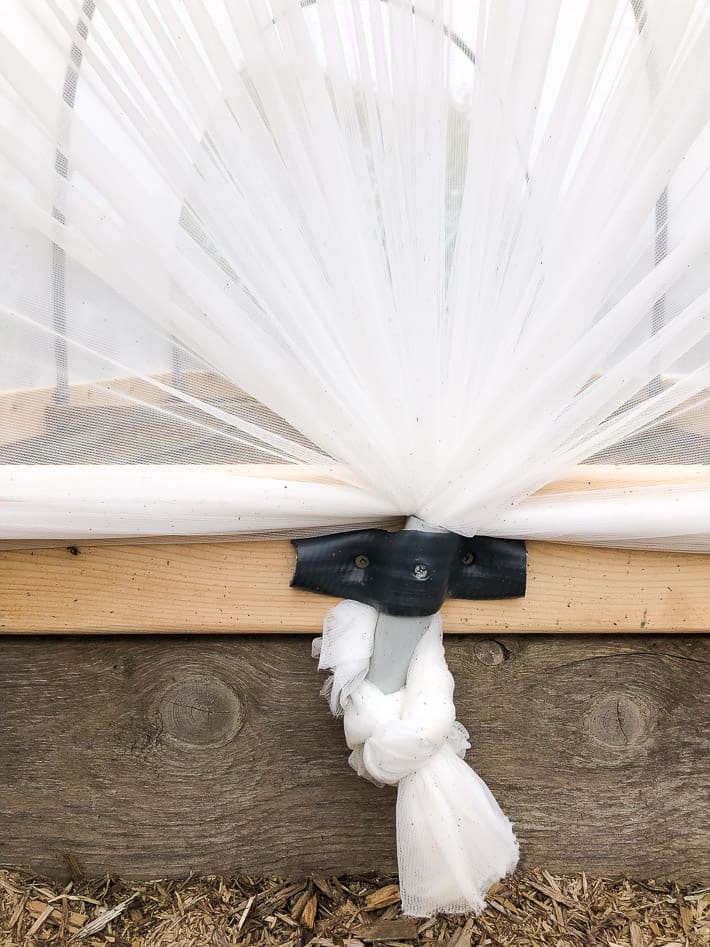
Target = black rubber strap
(410,573)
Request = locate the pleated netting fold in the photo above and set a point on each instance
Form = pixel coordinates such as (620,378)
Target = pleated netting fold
(361,259)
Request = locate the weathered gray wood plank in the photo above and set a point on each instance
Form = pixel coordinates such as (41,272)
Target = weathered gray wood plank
(161,755)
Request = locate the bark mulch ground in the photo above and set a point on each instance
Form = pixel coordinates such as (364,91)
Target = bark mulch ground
(527,910)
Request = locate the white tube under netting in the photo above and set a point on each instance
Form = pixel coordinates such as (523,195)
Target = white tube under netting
(299,266)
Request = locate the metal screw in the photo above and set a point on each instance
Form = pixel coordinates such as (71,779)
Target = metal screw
(421,572)
(361,562)
(468,559)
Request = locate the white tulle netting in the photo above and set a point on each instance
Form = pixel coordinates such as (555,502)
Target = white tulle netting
(296,265)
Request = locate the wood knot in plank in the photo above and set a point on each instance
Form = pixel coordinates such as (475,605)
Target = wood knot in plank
(202,712)
(490,652)
(620,720)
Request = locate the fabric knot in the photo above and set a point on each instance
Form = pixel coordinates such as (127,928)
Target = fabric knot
(453,841)
(391,735)
(394,735)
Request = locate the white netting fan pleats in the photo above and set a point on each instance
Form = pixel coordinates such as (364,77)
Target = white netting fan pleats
(455,249)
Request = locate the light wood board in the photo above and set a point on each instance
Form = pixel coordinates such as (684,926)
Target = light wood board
(244,587)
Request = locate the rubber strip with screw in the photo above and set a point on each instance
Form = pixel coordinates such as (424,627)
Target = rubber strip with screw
(410,573)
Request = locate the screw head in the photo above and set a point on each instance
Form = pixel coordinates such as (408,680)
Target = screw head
(362,561)
(421,572)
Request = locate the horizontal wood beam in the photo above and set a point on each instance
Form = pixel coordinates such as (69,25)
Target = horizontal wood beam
(244,587)
(23,411)
(155,757)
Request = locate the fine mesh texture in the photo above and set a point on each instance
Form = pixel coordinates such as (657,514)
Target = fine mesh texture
(296,265)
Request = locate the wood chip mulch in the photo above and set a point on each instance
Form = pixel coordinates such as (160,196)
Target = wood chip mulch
(527,910)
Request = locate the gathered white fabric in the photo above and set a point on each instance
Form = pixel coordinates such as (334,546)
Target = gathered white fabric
(453,840)
(416,258)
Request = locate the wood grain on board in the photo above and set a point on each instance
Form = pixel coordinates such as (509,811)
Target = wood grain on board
(244,588)
(157,756)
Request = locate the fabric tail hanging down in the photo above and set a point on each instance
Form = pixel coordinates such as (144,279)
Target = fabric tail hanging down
(453,840)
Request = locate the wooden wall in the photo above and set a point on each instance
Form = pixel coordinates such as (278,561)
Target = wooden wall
(154,756)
